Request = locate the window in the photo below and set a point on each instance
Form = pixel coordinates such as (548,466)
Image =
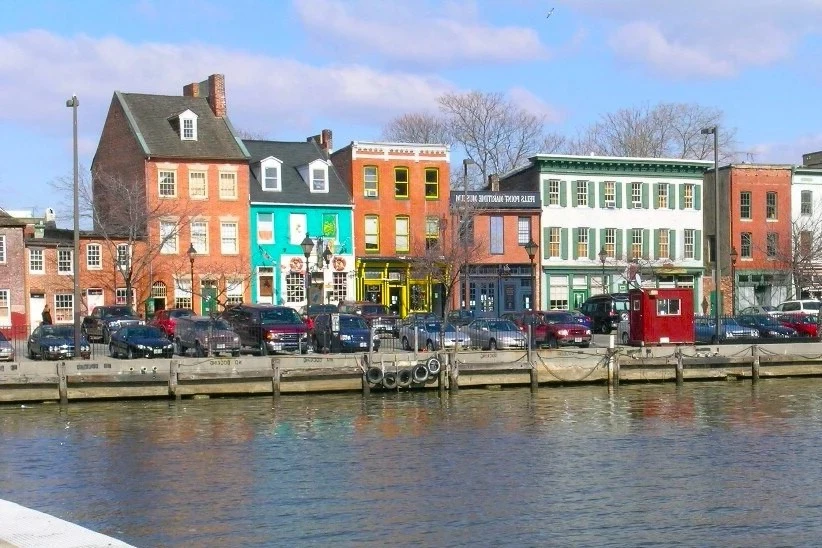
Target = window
(582,242)
(745,250)
(120,296)
(370,182)
(401,182)
(523,230)
(690,243)
(36,261)
(265,228)
(372,233)
(5,307)
(199,236)
(233,292)
(668,307)
(64,308)
(806,208)
(664,244)
(182,294)
(297,227)
(661,196)
(432,232)
(168,237)
(271,178)
(402,230)
(168,185)
(582,193)
(553,192)
(772,244)
(496,231)
(609,193)
(636,243)
(745,205)
(2,248)
(318,180)
(188,126)
(636,195)
(554,236)
(123,256)
(610,242)
(770,206)
(294,287)
(64,261)
(228,238)
(94,257)
(432,183)
(228,186)
(197,186)
(688,196)
(341,286)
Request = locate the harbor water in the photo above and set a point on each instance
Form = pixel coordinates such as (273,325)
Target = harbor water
(724,463)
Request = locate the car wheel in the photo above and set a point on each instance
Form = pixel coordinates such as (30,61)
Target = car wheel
(235,353)
(111,351)
(262,349)
(605,329)
(585,345)
(32,355)
(552,342)
(405,344)
(429,345)
(625,338)
(492,344)
(199,351)
(106,337)
(130,353)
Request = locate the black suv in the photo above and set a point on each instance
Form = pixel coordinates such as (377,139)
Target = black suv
(105,320)
(352,334)
(268,328)
(606,311)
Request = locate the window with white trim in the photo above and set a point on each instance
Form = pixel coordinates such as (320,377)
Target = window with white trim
(5,307)
(168,237)
(553,192)
(806,207)
(199,236)
(197,185)
(554,235)
(120,296)
(341,286)
(688,196)
(636,195)
(36,264)
(265,228)
(318,180)
(664,244)
(582,242)
(294,287)
(228,186)
(523,230)
(745,247)
(370,182)
(271,177)
(582,193)
(123,257)
(689,243)
(63,308)
(609,193)
(228,238)
(636,243)
(662,195)
(167,186)
(610,242)
(297,227)
(234,292)
(188,126)
(94,257)
(182,293)
(65,261)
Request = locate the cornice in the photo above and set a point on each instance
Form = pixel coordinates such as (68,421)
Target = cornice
(582,165)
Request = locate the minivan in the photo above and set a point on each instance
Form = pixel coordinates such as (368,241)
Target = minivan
(606,311)
(804,306)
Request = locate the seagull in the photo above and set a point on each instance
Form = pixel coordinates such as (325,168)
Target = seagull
(549,13)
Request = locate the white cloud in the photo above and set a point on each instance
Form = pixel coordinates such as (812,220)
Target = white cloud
(533,104)
(417,33)
(789,152)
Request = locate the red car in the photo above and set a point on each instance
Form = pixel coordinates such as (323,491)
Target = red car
(167,319)
(553,328)
(807,325)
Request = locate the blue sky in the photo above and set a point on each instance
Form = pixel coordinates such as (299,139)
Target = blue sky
(295,67)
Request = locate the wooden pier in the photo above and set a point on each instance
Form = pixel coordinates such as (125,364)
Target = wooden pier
(110,378)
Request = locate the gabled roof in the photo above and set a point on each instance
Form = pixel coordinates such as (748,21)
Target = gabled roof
(150,116)
(294,189)
(7,220)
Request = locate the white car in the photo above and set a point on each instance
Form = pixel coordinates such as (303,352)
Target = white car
(804,306)
(429,334)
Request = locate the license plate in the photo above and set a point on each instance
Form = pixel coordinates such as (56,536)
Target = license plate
(220,346)
(363,344)
(578,339)
(277,346)
(158,350)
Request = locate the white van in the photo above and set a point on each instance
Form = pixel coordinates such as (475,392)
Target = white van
(804,306)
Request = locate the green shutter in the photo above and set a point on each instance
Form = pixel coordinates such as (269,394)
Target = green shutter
(656,243)
(656,194)
(697,197)
(671,196)
(544,193)
(574,200)
(618,192)
(574,246)
(646,244)
(563,243)
(698,245)
(592,247)
(619,242)
(645,190)
(602,194)
(681,196)
(601,239)
(591,194)
(563,193)
(672,244)
(546,243)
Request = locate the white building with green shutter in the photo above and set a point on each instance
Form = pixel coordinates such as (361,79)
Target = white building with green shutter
(600,214)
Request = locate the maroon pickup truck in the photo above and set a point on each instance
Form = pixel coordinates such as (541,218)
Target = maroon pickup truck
(268,328)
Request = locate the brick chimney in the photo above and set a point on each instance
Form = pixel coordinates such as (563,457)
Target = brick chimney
(324,140)
(216,94)
(493,181)
(191,90)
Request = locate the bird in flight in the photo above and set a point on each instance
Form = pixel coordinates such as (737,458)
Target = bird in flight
(549,13)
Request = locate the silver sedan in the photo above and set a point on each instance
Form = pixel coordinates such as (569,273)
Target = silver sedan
(495,334)
(428,335)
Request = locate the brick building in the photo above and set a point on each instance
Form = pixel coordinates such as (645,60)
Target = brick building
(180,157)
(401,200)
(12,274)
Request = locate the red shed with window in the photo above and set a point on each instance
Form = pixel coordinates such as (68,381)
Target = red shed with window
(661,316)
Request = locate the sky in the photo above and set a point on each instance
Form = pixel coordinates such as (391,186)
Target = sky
(295,67)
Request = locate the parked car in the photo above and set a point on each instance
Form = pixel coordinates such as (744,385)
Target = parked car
(460,318)
(377,315)
(581,318)
(6,349)
(206,336)
(759,309)
(493,334)
(803,306)
(55,342)
(105,320)
(352,335)
(167,319)
(768,326)
(140,341)
(560,328)
(606,311)
(729,328)
(432,335)
(413,318)
(807,325)
(268,328)
(308,313)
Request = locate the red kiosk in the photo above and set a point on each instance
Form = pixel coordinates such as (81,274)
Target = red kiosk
(661,316)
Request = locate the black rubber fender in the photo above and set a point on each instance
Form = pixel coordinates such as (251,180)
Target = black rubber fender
(420,373)
(374,375)
(404,378)
(389,380)
(434,366)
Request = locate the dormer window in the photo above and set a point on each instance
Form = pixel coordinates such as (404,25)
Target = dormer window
(188,126)
(318,182)
(271,174)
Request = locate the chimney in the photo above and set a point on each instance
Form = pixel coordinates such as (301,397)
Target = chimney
(216,94)
(323,140)
(191,90)
(494,182)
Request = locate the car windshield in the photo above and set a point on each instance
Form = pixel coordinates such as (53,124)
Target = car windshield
(117,311)
(560,318)
(372,309)
(180,313)
(283,316)
(58,331)
(211,324)
(146,331)
(352,322)
(502,325)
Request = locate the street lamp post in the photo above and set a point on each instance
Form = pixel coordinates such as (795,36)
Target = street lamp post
(464,224)
(714,130)
(73,103)
(603,256)
(734,257)
(307,246)
(531,250)
(192,254)
(503,271)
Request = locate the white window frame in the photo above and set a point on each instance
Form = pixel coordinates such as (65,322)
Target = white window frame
(229,244)
(582,193)
(223,181)
(262,224)
(271,163)
(688,196)
(340,282)
(167,178)
(689,243)
(123,259)
(553,192)
(554,242)
(636,195)
(294,287)
(98,252)
(523,230)
(199,238)
(182,293)
(662,196)
(5,307)
(234,291)
(636,244)
(370,185)
(313,169)
(65,262)
(168,238)
(609,193)
(120,297)
(188,126)
(202,175)
(582,242)
(63,308)
(664,243)
(610,242)
(41,260)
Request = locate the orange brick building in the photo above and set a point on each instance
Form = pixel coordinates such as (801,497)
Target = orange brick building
(180,157)
(401,206)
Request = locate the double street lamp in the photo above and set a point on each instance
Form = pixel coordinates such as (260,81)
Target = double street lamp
(307,246)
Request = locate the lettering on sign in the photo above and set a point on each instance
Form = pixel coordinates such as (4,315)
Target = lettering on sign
(312,360)
(225,362)
(83,366)
(488,355)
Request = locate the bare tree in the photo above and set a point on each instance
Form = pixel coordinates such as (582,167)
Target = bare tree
(223,276)
(417,127)
(803,256)
(665,130)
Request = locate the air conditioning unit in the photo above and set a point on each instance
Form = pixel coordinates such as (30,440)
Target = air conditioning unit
(370,193)
(610,205)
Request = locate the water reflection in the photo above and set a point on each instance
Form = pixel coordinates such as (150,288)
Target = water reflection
(699,464)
